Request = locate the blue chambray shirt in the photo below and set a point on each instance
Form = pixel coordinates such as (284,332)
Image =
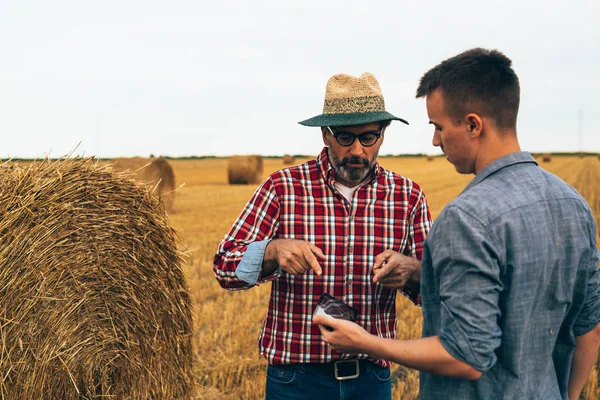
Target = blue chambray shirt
(509,277)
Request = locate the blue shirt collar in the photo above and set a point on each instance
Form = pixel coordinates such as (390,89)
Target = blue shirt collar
(511,159)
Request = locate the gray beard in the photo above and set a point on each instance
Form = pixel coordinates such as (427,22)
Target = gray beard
(346,174)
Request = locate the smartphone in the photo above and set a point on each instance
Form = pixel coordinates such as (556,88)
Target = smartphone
(334,308)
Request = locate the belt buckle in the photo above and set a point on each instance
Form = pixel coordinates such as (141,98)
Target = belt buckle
(343,378)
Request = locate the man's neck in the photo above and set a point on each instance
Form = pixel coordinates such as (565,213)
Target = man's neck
(496,147)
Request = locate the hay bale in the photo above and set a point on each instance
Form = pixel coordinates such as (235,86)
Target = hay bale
(94,301)
(429,158)
(547,157)
(288,159)
(580,154)
(156,172)
(245,169)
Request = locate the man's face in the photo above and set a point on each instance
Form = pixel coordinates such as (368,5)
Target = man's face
(451,136)
(353,163)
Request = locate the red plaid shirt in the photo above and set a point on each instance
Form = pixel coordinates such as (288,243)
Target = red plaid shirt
(387,211)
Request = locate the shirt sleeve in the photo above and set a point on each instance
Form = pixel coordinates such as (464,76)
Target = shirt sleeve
(251,265)
(420,224)
(469,277)
(249,235)
(419,227)
(589,316)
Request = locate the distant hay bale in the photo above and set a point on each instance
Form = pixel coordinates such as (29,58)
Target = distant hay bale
(245,169)
(152,171)
(288,159)
(94,301)
(547,157)
(581,154)
(430,158)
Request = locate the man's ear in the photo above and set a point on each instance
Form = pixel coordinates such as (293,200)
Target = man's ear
(324,134)
(474,125)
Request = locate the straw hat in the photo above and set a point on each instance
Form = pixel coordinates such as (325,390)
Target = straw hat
(352,101)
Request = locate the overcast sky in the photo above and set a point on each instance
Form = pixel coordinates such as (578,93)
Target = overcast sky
(179,78)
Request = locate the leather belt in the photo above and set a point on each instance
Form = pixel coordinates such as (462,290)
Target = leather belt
(341,369)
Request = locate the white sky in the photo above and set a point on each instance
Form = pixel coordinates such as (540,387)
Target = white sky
(180,78)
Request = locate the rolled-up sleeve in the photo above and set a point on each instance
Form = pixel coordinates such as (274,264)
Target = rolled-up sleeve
(589,316)
(468,273)
(257,223)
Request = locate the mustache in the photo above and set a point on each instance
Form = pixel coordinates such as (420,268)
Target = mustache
(354,160)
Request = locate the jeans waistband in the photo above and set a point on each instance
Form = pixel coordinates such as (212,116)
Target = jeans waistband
(329,368)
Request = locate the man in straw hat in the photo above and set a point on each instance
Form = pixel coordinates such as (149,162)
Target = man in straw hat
(322,227)
(510,274)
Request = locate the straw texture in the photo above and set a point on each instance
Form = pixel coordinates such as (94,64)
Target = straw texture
(157,172)
(94,301)
(352,100)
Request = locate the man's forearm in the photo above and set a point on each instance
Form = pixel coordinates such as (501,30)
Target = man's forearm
(425,354)
(269,263)
(586,353)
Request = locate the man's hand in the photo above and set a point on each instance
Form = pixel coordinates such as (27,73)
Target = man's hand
(341,335)
(395,270)
(293,256)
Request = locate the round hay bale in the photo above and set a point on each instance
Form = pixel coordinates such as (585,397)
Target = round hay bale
(430,158)
(156,172)
(245,169)
(94,301)
(547,157)
(581,154)
(289,159)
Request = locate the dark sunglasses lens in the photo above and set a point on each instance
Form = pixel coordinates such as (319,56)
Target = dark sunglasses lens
(368,139)
(345,139)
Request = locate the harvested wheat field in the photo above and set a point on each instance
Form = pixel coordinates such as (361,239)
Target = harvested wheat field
(227,323)
(156,172)
(94,299)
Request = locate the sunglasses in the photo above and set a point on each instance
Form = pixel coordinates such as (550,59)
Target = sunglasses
(345,139)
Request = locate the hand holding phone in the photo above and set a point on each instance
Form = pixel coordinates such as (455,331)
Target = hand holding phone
(331,307)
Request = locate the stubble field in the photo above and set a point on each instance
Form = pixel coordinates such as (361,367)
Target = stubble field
(227,323)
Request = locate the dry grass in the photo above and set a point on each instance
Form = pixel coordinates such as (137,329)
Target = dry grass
(227,323)
(156,172)
(94,301)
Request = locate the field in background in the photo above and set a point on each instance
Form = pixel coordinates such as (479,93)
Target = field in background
(227,323)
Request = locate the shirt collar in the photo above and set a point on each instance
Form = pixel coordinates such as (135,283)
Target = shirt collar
(519,157)
(328,172)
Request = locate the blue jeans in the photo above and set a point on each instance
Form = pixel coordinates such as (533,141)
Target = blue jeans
(305,382)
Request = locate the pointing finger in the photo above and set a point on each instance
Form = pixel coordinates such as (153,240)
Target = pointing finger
(312,261)
(317,251)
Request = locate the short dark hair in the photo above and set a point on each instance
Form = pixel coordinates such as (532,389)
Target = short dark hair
(477,80)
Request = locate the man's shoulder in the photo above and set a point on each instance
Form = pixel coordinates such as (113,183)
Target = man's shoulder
(511,192)
(306,170)
(393,179)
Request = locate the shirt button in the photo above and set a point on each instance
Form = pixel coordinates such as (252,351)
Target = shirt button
(349,282)
(351,249)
